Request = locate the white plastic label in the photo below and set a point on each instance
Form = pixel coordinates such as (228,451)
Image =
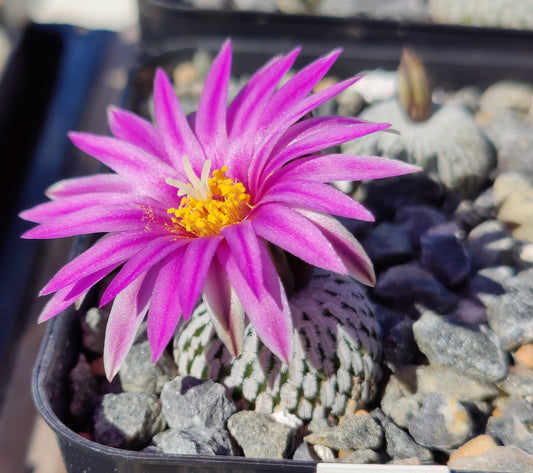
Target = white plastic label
(353,468)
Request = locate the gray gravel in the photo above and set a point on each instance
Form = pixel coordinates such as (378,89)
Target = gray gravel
(188,402)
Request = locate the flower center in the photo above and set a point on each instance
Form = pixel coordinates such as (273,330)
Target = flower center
(209,203)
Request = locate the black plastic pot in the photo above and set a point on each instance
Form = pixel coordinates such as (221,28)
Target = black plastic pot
(455,57)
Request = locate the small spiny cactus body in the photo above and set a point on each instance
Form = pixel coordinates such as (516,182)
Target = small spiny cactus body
(494,13)
(335,353)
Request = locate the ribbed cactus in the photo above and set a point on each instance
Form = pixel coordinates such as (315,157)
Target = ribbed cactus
(336,348)
(500,13)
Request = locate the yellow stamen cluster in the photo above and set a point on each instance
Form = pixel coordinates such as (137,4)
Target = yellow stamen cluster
(227,203)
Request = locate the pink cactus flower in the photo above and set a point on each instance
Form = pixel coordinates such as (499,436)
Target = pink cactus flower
(193,201)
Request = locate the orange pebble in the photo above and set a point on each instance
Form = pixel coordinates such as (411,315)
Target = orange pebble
(343,453)
(475,446)
(524,355)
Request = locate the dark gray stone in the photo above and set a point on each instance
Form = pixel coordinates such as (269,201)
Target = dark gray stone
(352,433)
(470,311)
(497,460)
(467,215)
(441,422)
(260,436)
(127,420)
(518,382)
(453,382)
(83,388)
(418,219)
(386,196)
(488,283)
(189,402)
(522,281)
(407,284)
(399,347)
(510,317)
(195,441)
(139,373)
(518,408)
(399,403)
(318,423)
(506,95)
(511,423)
(448,228)
(475,350)
(93,325)
(446,257)
(511,432)
(388,244)
(491,244)
(398,343)
(484,203)
(399,444)
(362,456)
(472,213)
(305,453)
(512,135)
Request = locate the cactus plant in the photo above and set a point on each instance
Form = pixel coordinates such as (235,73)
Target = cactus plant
(444,140)
(335,354)
(499,13)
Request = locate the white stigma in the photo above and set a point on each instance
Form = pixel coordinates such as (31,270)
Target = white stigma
(196,188)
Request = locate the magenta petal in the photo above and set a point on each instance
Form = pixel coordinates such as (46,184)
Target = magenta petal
(128,126)
(247,109)
(311,128)
(66,296)
(109,250)
(244,245)
(346,246)
(129,161)
(173,126)
(97,219)
(165,308)
(57,208)
(320,197)
(152,253)
(344,167)
(300,110)
(256,91)
(298,86)
(317,134)
(281,124)
(270,313)
(289,230)
(210,125)
(56,304)
(127,313)
(314,100)
(195,265)
(108,182)
(225,308)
